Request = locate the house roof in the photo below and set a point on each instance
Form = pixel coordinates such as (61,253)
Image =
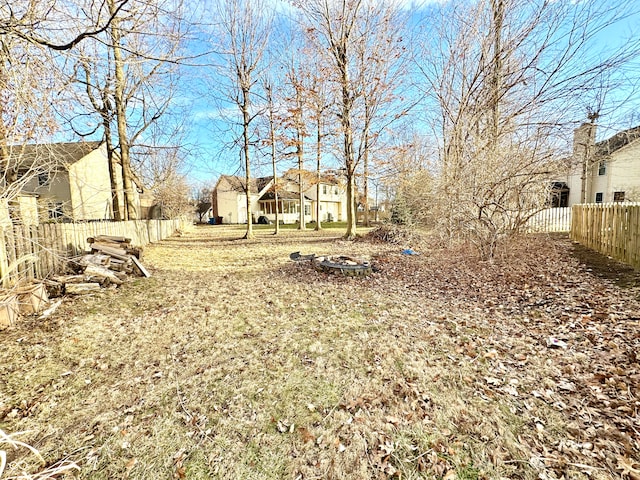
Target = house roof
(282,195)
(328,177)
(237,184)
(617,141)
(61,153)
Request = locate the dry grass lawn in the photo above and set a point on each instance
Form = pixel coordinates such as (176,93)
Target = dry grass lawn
(234,362)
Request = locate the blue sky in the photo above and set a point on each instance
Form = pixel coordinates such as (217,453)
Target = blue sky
(208,128)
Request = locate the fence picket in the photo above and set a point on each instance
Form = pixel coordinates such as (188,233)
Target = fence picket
(549,220)
(611,229)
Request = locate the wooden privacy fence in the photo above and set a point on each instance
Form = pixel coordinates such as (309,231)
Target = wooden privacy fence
(557,219)
(612,229)
(37,251)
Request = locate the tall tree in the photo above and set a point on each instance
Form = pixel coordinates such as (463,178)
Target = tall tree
(348,30)
(295,122)
(271,117)
(127,80)
(243,31)
(319,105)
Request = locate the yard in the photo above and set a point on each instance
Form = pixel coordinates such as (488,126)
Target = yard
(232,361)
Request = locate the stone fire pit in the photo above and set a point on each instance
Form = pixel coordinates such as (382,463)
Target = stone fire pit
(338,264)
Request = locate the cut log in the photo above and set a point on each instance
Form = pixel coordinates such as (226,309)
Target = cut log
(81,288)
(54,289)
(95,259)
(9,311)
(123,267)
(135,251)
(107,239)
(118,253)
(69,279)
(140,268)
(121,275)
(99,272)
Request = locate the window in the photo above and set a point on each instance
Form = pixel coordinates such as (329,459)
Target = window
(602,168)
(55,210)
(324,189)
(307,209)
(43,179)
(599,197)
(336,192)
(618,196)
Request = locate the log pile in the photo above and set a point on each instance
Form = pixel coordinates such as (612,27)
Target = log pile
(110,262)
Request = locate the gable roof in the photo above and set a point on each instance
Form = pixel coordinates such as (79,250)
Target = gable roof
(617,141)
(328,177)
(237,184)
(282,195)
(60,153)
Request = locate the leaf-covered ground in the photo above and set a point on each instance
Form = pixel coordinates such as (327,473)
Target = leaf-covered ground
(234,362)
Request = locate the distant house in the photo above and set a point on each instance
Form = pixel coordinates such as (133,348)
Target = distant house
(602,172)
(70,180)
(229,199)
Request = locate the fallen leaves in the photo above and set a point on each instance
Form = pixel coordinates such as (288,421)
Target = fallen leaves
(435,366)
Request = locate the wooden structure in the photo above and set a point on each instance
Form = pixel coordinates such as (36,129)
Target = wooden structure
(612,229)
(30,252)
(556,219)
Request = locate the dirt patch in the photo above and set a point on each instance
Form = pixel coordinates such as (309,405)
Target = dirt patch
(603,266)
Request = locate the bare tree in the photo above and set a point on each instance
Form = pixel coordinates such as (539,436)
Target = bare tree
(271,116)
(294,121)
(319,105)
(242,38)
(29,79)
(348,30)
(203,202)
(127,80)
(504,76)
(168,185)
(54,25)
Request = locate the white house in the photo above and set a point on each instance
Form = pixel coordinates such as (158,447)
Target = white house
(602,172)
(70,180)
(229,198)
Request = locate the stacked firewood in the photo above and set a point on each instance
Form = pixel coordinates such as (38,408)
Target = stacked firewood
(111,260)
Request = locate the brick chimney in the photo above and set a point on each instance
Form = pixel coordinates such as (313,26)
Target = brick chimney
(584,139)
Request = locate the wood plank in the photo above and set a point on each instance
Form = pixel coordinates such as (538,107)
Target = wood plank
(140,268)
(81,288)
(102,274)
(109,238)
(113,252)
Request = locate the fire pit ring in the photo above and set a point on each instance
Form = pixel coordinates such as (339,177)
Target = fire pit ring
(342,264)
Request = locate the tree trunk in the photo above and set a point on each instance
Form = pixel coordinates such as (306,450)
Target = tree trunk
(365,182)
(130,212)
(272,135)
(246,119)
(113,169)
(318,160)
(342,60)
